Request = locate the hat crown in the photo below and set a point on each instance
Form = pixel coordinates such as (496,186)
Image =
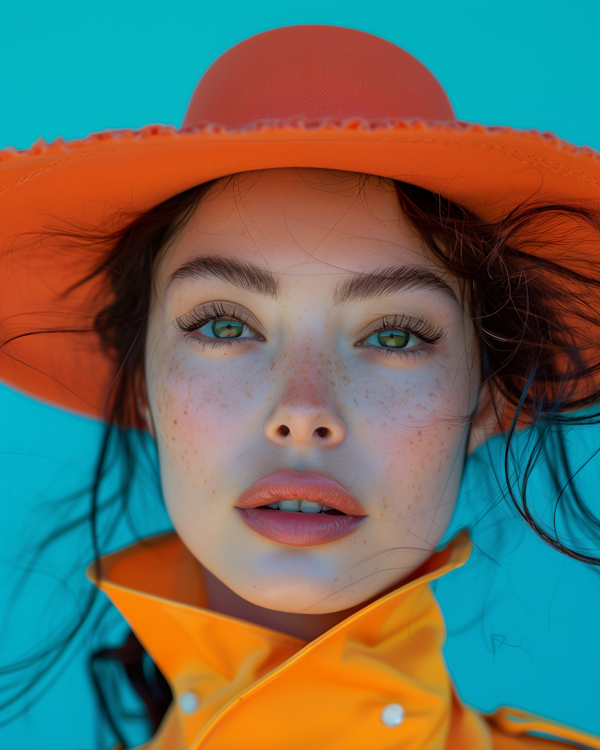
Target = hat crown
(313,73)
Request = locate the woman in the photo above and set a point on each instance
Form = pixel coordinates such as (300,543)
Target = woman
(318,297)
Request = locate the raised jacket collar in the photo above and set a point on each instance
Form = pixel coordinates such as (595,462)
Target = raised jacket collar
(258,689)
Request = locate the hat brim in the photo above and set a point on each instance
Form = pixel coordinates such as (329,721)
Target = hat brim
(489,170)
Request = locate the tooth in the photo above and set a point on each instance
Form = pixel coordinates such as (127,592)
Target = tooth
(273,505)
(290,505)
(307,506)
(326,508)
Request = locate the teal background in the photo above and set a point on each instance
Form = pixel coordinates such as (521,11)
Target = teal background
(522,620)
(71,68)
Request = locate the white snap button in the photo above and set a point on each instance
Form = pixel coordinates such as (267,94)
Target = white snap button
(392,715)
(189,702)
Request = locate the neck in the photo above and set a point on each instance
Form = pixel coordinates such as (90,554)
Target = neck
(306,627)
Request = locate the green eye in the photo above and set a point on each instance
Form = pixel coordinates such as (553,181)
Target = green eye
(227,329)
(393,339)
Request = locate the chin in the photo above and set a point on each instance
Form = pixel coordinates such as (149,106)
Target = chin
(296,596)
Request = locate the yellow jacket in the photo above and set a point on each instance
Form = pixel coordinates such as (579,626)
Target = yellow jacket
(376,681)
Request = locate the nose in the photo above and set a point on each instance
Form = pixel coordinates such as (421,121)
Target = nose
(305,416)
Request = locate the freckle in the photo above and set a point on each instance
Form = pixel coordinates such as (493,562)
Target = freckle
(174,421)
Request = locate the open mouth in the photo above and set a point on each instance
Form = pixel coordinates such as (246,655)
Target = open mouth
(301,505)
(287,507)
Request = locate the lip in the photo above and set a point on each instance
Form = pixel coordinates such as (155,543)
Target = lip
(286,485)
(299,529)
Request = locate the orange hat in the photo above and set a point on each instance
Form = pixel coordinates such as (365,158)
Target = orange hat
(301,96)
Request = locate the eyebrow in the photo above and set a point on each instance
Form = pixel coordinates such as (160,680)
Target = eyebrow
(253,278)
(247,276)
(388,281)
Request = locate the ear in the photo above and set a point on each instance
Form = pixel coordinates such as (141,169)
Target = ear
(484,422)
(142,404)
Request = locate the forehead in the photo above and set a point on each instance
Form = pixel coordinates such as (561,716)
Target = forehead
(299,222)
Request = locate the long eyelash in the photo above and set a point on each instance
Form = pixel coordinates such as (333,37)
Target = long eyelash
(200,316)
(398,352)
(418,326)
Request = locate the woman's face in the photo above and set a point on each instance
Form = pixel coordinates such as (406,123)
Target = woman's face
(314,367)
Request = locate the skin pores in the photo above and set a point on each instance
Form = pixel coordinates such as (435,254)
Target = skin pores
(397,422)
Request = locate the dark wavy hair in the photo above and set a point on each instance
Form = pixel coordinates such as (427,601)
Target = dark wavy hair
(534,299)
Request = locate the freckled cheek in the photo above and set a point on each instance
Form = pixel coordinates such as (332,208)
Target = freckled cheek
(412,436)
(195,415)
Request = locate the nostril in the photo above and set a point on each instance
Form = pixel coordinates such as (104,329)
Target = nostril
(284,431)
(322,431)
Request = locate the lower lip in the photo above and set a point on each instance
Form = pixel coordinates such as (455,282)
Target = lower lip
(299,529)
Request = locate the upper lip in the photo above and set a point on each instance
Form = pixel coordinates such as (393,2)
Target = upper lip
(286,485)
